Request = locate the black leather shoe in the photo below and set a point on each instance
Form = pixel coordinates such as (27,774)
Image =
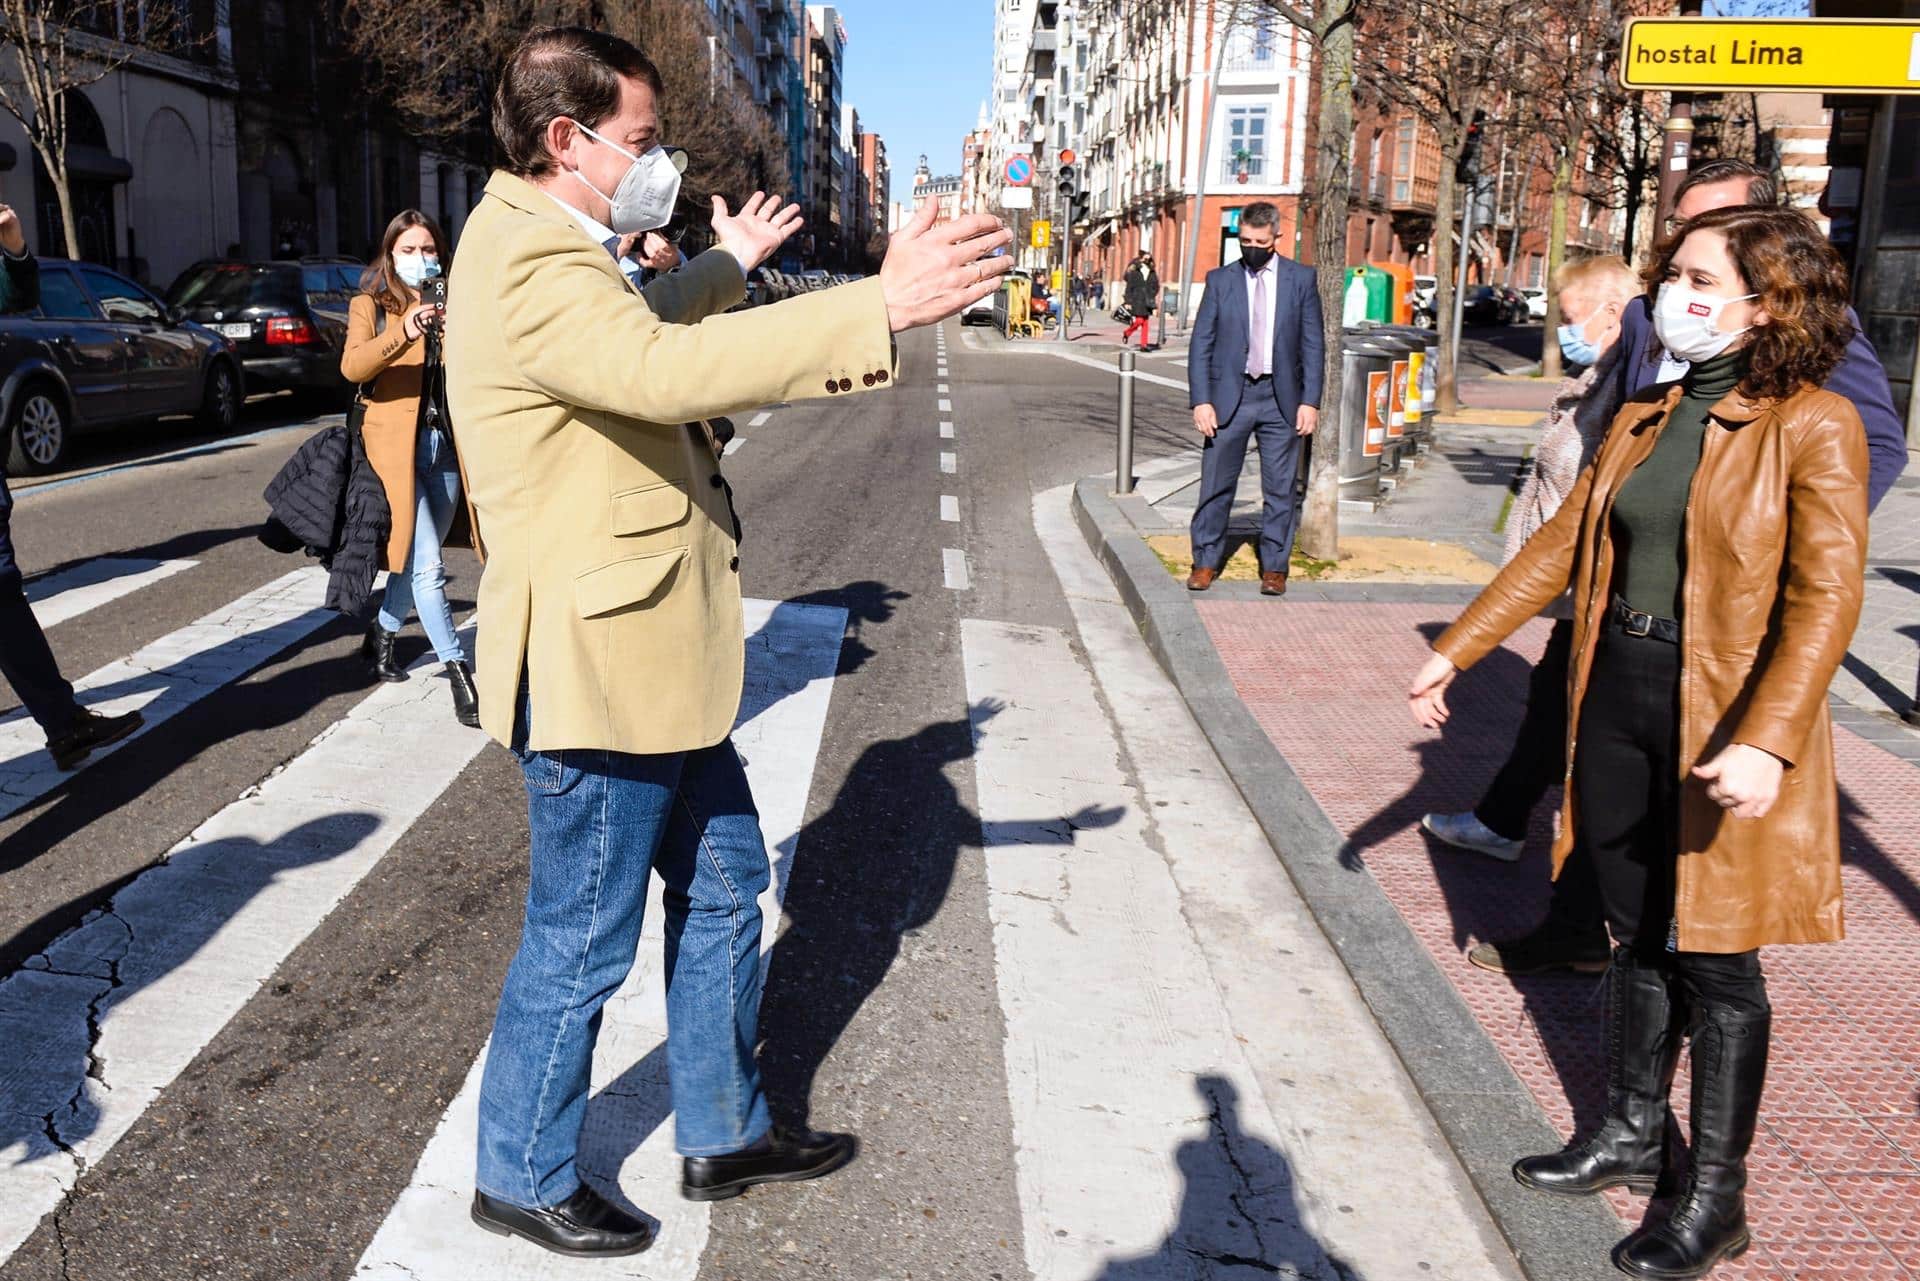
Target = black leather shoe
(377,649)
(585,1225)
(784,1156)
(466,699)
(90,730)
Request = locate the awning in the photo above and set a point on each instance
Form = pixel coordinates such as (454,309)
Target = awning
(8,158)
(96,164)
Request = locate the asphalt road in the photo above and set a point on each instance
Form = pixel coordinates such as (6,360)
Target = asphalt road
(279,1151)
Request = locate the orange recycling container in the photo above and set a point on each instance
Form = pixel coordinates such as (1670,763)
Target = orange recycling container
(1402,310)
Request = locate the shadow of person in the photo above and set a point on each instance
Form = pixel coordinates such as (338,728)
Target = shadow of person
(863,602)
(179,547)
(54,1008)
(1238,1210)
(872,870)
(1863,852)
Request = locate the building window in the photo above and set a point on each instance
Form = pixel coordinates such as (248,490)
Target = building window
(1255,46)
(1246,143)
(1403,162)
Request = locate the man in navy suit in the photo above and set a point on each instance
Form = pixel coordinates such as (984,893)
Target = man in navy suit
(1254,370)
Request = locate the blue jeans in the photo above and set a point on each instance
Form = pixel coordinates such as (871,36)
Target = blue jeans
(436,493)
(1258,417)
(601,821)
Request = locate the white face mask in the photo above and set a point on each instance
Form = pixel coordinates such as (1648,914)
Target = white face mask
(645,198)
(1687,322)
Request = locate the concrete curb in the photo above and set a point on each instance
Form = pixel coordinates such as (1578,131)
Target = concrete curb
(1483,1109)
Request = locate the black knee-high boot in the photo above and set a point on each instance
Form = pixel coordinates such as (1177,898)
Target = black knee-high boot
(1643,1045)
(1709,1223)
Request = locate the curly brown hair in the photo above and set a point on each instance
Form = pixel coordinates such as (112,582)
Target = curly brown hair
(1795,275)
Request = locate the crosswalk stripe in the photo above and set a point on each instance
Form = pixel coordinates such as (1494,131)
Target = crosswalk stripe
(93,1028)
(627,1144)
(170,675)
(57,598)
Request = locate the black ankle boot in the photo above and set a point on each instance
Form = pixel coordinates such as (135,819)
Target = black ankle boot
(377,649)
(466,699)
(1643,1045)
(1709,1223)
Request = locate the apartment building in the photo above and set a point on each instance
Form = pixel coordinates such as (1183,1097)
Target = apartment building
(821,42)
(877,178)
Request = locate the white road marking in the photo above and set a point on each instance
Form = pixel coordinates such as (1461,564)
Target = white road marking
(953,564)
(949,508)
(178,951)
(949,463)
(627,1144)
(1111,367)
(58,597)
(170,675)
(760,419)
(946,406)
(733,446)
(946,431)
(942,388)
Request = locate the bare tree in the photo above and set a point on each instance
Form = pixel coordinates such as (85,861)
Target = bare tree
(58,47)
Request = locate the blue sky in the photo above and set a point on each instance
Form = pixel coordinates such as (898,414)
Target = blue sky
(917,71)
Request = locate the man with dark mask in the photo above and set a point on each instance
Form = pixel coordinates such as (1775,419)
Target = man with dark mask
(1254,370)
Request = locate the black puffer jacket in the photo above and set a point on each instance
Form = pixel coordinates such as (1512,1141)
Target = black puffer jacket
(328,500)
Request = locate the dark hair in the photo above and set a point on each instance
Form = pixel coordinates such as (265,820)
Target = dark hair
(561,71)
(376,280)
(1761,188)
(1261,213)
(1796,275)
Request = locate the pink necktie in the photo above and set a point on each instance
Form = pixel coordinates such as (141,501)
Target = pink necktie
(1259,335)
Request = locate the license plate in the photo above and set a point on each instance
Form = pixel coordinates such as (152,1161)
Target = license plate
(234,331)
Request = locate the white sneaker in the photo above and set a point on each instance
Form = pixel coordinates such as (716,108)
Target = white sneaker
(1469,833)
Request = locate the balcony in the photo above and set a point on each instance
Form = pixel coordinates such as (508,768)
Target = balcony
(1045,40)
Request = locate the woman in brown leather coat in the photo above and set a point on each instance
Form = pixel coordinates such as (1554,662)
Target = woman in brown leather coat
(1716,550)
(390,333)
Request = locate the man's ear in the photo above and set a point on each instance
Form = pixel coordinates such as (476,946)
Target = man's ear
(560,137)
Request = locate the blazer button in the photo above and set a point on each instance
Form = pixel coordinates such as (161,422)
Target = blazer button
(832,386)
(716,482)
(880,376)
(866,379)
(734,564)
(846,384)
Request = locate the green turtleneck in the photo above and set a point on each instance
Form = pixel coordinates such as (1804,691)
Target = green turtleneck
(1649,523)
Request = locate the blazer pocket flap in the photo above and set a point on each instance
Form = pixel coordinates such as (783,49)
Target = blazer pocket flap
(642,511)
(623,583)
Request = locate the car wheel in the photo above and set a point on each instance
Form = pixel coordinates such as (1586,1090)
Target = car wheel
(220,405)
(37,431)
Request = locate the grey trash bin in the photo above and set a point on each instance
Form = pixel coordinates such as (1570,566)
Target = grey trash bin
(1404,353)
(1420,425)
(1368,453)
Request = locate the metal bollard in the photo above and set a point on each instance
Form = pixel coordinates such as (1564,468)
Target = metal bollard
(1123,442)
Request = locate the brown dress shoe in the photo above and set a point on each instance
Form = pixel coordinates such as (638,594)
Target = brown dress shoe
(1273,583)
(1201,578)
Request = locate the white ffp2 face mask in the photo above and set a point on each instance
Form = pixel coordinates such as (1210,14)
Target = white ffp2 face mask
(1687,322)
(645,198)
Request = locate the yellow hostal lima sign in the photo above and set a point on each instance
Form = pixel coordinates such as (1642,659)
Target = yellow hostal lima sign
(1819,55)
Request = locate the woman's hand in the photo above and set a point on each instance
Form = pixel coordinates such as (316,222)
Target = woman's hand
(1743,780)
(1427,696)
(418,318)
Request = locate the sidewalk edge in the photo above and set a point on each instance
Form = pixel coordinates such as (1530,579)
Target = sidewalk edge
(1485,1112)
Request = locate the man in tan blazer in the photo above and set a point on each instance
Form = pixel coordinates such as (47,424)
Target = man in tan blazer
(610,650)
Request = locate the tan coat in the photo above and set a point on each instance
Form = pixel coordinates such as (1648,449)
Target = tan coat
(612,576)
(1776,540)
(390,367)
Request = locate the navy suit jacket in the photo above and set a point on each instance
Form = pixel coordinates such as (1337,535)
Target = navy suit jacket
(1859,377)
(1217,356)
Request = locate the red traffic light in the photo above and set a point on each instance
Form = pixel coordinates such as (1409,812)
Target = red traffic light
(1066,155)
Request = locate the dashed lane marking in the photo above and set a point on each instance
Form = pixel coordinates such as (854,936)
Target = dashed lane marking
(949,463)
(949,508)
(946,431)
(954,565)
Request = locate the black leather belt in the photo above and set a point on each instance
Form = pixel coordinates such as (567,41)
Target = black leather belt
(1258,378)
(1635,623)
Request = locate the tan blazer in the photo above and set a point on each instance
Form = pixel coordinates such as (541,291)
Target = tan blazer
(612,576)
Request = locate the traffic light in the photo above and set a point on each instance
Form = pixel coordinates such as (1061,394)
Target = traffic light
(1073,200)
(1468,169)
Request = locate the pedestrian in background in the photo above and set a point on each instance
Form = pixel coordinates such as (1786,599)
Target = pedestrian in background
(1593,294)
(1717,546)
(611,640)
(393,352)
(1254,371)
(26,660)
(1142,297)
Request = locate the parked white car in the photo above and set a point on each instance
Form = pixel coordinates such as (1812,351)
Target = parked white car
(1536,303)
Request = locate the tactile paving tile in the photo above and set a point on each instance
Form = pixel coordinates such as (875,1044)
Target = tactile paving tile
(1328,684)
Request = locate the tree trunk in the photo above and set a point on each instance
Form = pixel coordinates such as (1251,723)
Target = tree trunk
(1556,254)
(1320,513)
(63,190)
(1445,224)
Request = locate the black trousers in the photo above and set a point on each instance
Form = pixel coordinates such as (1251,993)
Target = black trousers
(25,660)
(1537,762)
(1626,776)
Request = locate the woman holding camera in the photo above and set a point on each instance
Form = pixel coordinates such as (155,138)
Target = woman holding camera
(393,353)
(1716,549)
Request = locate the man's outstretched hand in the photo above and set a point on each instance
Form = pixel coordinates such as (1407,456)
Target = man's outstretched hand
(760,227)
(932,271)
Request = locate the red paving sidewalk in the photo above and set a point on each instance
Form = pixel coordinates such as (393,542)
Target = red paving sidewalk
(1836,1169)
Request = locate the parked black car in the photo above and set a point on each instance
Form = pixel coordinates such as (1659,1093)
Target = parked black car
(101,350)
(1482,305)
(1513,305)
(287,320)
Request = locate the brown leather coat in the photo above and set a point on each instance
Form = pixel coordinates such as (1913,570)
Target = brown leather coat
(1776,540)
